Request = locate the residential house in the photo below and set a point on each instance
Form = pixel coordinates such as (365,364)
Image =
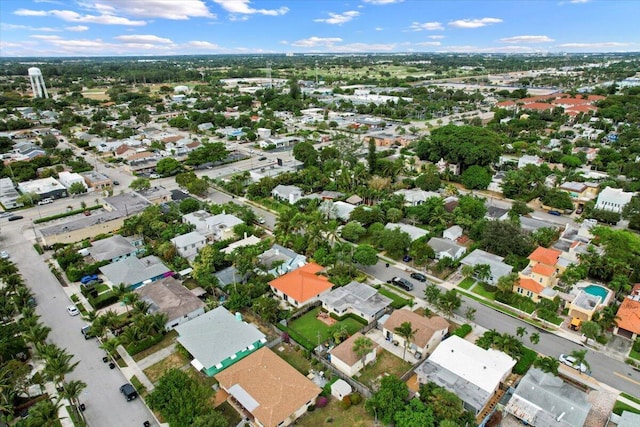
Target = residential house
(545,400)
(218,339)
(280,260)
(229,276)
(613,199)
(533,224)
(445,248)
(247,241)
(124,152)
(414,232)
(472,373)
(188,245)
(430,331)
(67,179)
(584,305)
(168,296)
(356,298)
(213,227)
(415,197)
(347,361)
(96,180)
(354,200)
(628,324)
(269,389)
(342,210)
(301,286)
(580,192)
(115,248)
(540,276)
(452,233)
(496,265)
(8,194)
(529,160)
(496,213)
(287,193)
(134,272)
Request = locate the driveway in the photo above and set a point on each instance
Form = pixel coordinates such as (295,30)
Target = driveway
(105,406)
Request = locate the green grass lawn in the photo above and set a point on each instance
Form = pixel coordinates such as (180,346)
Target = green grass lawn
(466,283)
(634,354)
(386,363)
(619,407)
(334,415)
(294,357)
(169,338)
(398,301)
(630,397)
(478,289)
(316,331)
(527,305)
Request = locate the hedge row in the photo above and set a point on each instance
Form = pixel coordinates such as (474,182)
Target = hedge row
(103,300)
(526,360)
(348,316)
(138,346)
(65,214)
(463,330)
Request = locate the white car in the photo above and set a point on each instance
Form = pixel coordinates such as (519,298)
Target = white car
(573,363)
(4,254)
(73,310)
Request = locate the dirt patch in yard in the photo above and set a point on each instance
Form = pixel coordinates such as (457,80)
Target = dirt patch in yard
(155,372)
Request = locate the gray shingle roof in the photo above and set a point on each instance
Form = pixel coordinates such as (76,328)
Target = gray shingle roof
(358,296)
(216,335)
(111,248)
(133,270)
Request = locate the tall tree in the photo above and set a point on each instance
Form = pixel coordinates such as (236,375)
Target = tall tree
(362,346)
(406,331)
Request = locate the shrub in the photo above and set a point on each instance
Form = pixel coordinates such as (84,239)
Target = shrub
(356,398)
(463,330)
(346,402)
(321,402)
(138,346)
(311,408)
(489,288)
(601,339)
(103,300)
(525,361)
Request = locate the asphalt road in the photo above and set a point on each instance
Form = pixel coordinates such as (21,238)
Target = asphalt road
(608,370)
(105,405)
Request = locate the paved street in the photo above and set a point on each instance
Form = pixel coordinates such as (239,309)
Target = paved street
(105,405)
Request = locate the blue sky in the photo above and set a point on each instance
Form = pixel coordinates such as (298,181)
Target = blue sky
(170,27)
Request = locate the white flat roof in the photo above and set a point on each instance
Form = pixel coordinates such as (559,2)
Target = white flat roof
(483,368)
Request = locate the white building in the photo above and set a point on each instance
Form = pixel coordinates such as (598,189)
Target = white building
(68,179)
(188,245)
(613,199)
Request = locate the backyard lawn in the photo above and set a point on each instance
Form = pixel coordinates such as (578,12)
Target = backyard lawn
(386,363)
(316,331)
(155,372)
(294,358)
(168,339)
(466,283)
(334,415)
(478,289)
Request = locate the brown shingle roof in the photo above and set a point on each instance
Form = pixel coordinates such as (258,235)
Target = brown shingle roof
(344,351)
(278,388)
(425,327)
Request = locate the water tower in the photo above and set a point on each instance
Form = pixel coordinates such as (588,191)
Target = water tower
(37,83)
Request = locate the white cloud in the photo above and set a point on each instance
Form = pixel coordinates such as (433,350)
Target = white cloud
(203,45)
(45,37)
(176,10)
(499,49)
(379,29)
(339,18)
(382,1)
(77,28)
(600,45)
(29,12)
(71,16)
(436,37)
(578,1)
(242,7)
(527,39)
(364,47)
(317,41)
(11,27)
(474,23)
(427,26)
(428,44)
(142,38)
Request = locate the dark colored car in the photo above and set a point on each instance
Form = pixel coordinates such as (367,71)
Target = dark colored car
(419,277)
(262,158)
(402,283)
(15,217)
(554,213)
(129,392)
(407,258)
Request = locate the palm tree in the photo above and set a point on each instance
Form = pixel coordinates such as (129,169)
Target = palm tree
(362,346)
(140,307)
(534,338)
(521,331)
(72,391)
(58,365)
(45,414)
(467,271)
(547,364)
(406,331)
(607,318)
(36,334)
(580,356)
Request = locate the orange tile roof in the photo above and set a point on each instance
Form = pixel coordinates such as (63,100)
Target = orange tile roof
(629,315)
(425,326)
(277,388)
(302,284)
(505,104)
(543,270)
(545,255)
(530,285)
(537,106)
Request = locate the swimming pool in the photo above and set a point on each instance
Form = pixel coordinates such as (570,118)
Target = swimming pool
(597,291)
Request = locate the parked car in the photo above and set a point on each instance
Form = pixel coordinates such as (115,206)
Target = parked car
(555,213)
(73,310)
(573,363)
(579,210)
(129,392)
(116,183)
(90,278)
(260,220)
(15,217)
(85,332)
(154,176)
(402,283)
(45,201)
(407,258)
(4,254)
(419,277)
(262,158)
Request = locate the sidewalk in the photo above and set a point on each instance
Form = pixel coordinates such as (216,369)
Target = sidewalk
(132,369)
